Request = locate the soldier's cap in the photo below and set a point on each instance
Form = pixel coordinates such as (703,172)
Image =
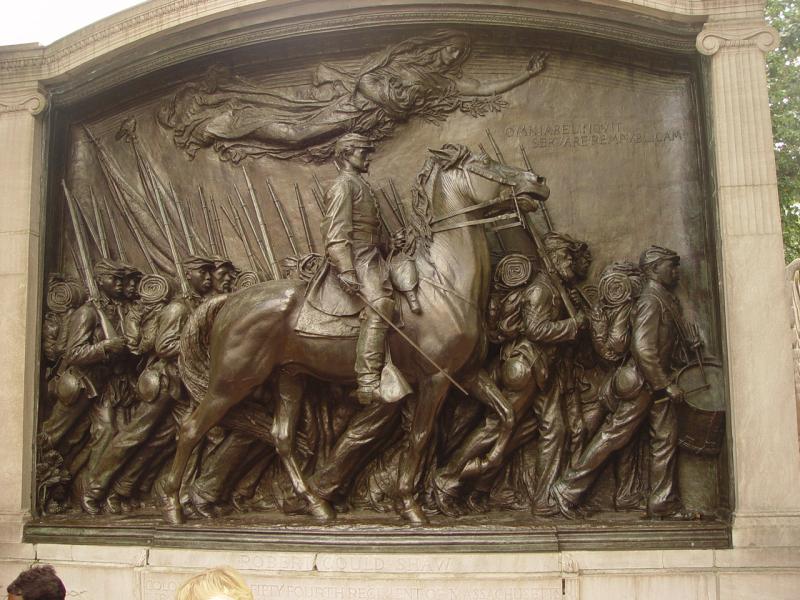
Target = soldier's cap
(109,267)
(655,254)
(559,241)
(352,141)
(198,262)
(131,271)
(222,261)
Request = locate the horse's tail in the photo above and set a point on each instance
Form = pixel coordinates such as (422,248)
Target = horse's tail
(194,362)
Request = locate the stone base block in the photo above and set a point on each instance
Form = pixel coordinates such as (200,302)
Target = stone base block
(139,573)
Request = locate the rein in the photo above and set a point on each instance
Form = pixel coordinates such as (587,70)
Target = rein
(486,174)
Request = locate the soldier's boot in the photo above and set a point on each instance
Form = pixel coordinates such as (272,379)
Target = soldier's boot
(371,350)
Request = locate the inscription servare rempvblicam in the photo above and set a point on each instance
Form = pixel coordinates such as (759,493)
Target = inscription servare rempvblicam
(585,133)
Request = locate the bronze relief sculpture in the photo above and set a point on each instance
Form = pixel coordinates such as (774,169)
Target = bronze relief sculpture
(402,360)
(419,77)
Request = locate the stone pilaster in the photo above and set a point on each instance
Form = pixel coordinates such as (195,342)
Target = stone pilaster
(763,414)
(20,173)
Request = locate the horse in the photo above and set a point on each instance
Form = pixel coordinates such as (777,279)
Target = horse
(233,344)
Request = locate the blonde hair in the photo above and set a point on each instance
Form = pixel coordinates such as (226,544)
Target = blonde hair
(220,583)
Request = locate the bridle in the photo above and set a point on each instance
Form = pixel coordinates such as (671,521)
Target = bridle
(515,219)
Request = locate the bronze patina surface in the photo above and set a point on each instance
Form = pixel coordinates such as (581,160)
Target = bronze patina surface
(443,286)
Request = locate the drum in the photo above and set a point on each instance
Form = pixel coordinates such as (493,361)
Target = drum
(701,418)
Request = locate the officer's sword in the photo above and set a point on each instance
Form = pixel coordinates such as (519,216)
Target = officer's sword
(412,343)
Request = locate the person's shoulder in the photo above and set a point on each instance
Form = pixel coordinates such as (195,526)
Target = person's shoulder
(541,286)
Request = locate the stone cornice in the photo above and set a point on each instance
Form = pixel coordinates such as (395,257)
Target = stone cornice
(161,16)
(33,102)
(737,34)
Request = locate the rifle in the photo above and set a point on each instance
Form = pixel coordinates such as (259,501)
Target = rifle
(392,208)
(215,214)
(253,230)
(273,265)
(398,204)
(185,291)
(495,147)
(88,224)
(114,232)
(101,230)
(318,200)
(137,234)
(304,218)
(282,216)
(542,203)
(211,241)
(237,227)
(318,194)
(550,268)
(182,219)
(83,253)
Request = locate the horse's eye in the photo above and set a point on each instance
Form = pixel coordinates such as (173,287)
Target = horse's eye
(485,159)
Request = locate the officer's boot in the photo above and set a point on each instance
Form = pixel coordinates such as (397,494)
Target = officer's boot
(371,350)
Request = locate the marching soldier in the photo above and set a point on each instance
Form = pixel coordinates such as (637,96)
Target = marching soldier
(645,391)
(144,441)
(537,329)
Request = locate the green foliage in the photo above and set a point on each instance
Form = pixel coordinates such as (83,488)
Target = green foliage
(784,97)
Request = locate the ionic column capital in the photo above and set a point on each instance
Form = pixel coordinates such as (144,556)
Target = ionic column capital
(736,34)
(32,101)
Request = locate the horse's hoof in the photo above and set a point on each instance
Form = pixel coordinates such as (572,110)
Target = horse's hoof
(412,512)
(321,510)
(170,506)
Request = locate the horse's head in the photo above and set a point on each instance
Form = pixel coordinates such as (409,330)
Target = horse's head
(486,179)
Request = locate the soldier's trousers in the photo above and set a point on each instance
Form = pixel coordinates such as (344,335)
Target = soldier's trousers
(614,434)
(123,447)
(64,418)
(367,430)
(550,452)
(229,462)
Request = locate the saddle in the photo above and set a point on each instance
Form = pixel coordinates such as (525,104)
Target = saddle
(328,311)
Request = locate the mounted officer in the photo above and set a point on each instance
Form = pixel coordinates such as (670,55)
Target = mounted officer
(352,242)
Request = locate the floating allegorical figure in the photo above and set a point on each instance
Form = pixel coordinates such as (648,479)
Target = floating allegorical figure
(646,391)
(421,76)
(536,328)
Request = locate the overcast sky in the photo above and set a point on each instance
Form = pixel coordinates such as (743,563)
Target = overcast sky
(45,22)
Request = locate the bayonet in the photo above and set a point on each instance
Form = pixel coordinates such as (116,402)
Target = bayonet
(542,204)
(318,200)
(253,229)
(236,224)
(319,194)
(398,203)
(282,216)
(273,265)
(83,254)
(207,218)
(500,158)
(182,218)
(114,232)
(304,218)
(222,245)
(101,230)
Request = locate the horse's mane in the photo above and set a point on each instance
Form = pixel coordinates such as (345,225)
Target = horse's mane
(448,157)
